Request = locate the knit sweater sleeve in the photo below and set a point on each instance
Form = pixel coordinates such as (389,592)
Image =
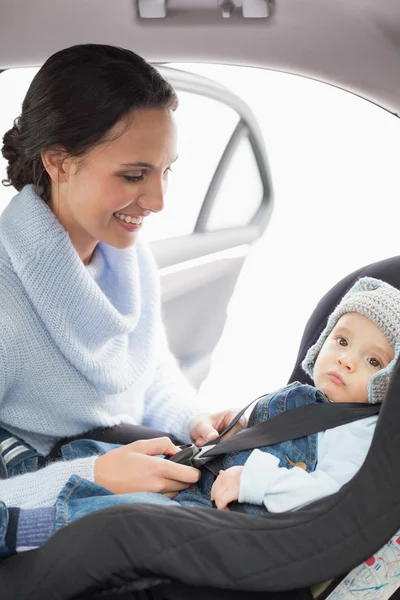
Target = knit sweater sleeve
(171,402)
(41,488)
(6,369)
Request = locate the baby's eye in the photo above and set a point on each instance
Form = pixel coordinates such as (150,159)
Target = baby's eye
(374,362)
(341,341)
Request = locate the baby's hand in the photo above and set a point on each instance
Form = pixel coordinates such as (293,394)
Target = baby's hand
(226,487)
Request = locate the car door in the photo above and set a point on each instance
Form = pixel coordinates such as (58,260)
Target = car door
(219,202)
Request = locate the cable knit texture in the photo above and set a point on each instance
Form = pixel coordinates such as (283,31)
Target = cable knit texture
(80,347)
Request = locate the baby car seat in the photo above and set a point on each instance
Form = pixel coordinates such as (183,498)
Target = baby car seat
(148,552)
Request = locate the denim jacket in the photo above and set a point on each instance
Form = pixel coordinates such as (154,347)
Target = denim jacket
(301,452)
(3,530)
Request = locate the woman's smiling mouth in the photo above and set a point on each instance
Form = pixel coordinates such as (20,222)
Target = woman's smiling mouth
(128,222)
(128,218)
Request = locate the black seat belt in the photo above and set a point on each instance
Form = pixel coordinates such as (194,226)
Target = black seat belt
(292,424)
(288,425)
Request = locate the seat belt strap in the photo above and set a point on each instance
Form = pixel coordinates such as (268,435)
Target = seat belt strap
(288,425)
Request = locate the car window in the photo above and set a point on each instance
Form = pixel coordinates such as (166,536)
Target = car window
(334,166)
(240,193)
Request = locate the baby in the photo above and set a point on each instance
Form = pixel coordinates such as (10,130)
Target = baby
(351,361)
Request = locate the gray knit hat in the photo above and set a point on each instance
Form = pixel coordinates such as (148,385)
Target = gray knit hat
(380,303)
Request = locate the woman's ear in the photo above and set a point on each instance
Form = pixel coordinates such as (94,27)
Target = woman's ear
(54,161)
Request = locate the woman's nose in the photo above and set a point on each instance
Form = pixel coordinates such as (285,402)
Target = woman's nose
(152,198)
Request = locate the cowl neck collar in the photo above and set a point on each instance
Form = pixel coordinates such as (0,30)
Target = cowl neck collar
(93,314)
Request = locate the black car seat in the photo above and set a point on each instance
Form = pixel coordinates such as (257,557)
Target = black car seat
(173,553)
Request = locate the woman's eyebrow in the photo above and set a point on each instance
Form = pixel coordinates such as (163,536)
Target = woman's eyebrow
(144,165)
(138,164)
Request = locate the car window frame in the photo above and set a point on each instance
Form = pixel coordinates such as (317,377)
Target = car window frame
(247,127)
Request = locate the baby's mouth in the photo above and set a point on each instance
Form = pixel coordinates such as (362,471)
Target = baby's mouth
(336,378)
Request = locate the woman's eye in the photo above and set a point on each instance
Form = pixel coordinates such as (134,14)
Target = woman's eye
(374,362)
(169,170)
(133,178)
(342,341)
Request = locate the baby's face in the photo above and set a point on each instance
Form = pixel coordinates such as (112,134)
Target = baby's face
(353,352)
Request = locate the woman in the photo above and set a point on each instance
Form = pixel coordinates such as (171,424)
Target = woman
(82,342)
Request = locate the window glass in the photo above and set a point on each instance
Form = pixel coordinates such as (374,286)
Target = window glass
(334,163)
(241,192)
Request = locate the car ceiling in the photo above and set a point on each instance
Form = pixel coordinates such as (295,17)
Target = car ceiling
(354,44)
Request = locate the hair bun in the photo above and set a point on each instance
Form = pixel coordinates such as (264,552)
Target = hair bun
(10,149)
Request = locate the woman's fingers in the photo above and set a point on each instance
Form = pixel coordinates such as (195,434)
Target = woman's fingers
(161,445)
(169,470)
(180,473)
(125,470)
(167,478)
(207,426)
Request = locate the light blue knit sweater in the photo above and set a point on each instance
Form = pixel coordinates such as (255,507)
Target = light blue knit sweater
(80,347)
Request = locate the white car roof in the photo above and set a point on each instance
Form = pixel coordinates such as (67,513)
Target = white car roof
(353,44)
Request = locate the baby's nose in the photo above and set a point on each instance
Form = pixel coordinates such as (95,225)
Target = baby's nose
(347,361)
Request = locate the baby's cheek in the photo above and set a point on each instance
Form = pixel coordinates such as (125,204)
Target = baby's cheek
(362,392)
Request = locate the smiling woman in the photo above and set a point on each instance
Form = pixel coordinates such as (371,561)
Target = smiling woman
(128,138)
(90,156)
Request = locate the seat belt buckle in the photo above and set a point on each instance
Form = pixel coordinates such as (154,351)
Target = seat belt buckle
(185,455)
(199,459)
(190,455)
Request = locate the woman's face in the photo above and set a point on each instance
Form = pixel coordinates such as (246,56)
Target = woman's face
(108,194)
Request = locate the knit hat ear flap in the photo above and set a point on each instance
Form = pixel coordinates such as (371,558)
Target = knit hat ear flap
(380,303)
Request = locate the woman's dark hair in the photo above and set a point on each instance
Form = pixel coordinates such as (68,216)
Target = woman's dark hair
(78,95)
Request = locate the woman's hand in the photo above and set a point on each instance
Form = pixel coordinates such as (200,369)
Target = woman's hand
(207,426)
(226,487)
(133,468)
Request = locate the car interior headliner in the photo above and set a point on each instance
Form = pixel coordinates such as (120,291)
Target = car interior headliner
(353,44)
